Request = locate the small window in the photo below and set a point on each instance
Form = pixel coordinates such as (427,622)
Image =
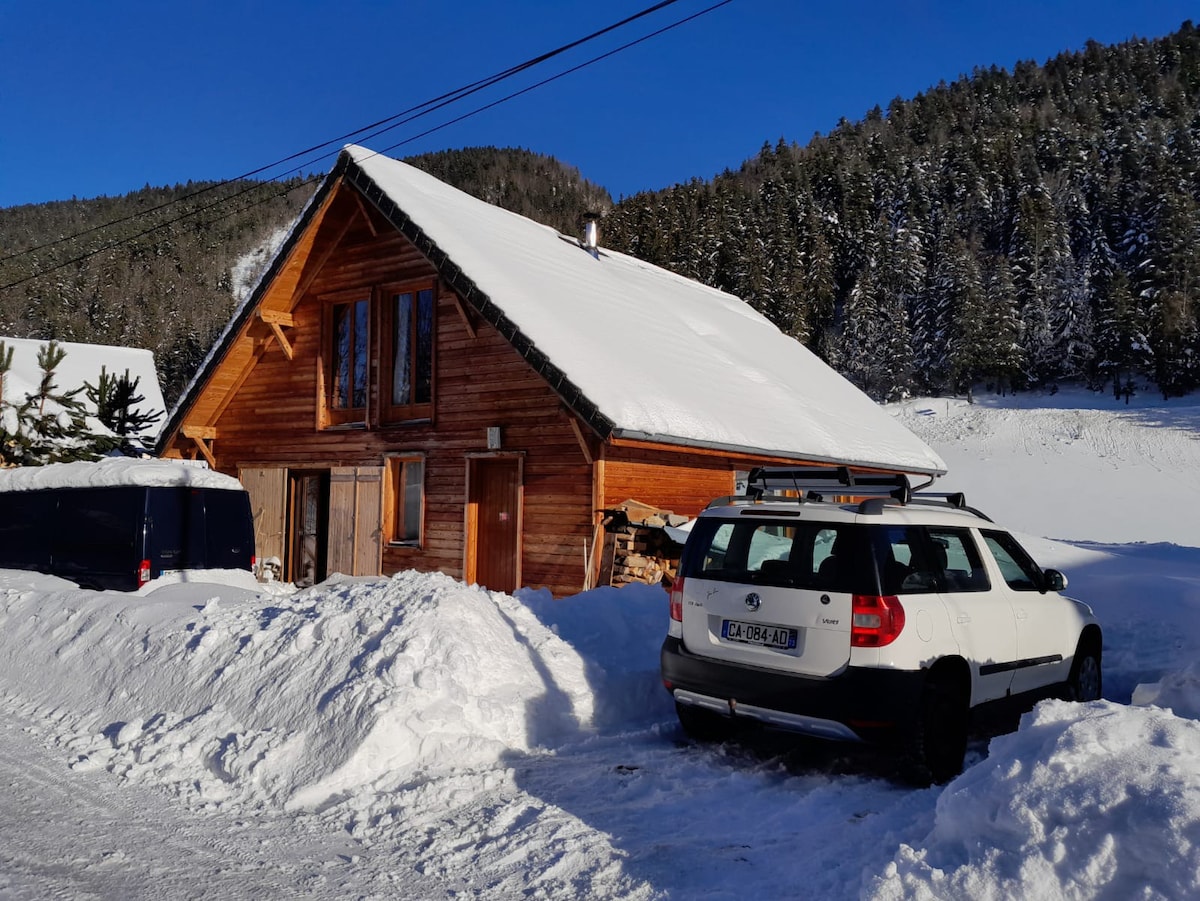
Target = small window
(348,362)
(1017,567)
(406,500)
(409,315)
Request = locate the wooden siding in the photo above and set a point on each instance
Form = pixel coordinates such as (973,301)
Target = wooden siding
(270,420)
(678,481)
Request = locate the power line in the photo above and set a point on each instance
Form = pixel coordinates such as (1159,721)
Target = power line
(428,106)
(413,114)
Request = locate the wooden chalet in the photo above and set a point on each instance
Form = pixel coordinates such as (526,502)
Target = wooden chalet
(423,380)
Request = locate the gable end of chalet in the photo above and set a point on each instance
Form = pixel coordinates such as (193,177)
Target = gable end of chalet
(462,284)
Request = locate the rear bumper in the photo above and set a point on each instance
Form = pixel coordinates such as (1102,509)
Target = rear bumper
(856,705)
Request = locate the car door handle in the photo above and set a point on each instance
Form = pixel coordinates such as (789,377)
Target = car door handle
(1021,614)
(964,617)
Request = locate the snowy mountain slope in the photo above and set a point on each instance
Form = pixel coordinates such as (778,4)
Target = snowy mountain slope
(414,737)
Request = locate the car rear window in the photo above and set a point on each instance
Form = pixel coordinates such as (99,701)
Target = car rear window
(813,555)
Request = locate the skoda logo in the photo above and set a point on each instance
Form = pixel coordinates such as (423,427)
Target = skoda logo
(753,601)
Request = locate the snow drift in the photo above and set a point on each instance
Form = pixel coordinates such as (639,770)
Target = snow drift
(301,699)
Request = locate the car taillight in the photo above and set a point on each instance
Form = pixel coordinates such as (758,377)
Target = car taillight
(143,573)
(876,620)
(253,563)
(677,600)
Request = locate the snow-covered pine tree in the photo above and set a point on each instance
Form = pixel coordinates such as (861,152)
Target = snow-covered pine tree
(116,401)
(1122,347)
(52,423)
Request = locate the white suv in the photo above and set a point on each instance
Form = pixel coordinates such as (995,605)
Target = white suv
(854,608)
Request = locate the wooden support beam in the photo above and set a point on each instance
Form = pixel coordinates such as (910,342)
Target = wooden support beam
(202,436)
(277,331)
(287,320)
(582,439)
(464,313)
(366,214)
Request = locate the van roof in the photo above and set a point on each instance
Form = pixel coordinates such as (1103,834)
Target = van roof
(113,472)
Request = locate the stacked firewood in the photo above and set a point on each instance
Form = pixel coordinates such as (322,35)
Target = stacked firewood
(639,547)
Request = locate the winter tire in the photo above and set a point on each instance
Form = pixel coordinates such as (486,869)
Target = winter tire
(1086,680)
(939,738)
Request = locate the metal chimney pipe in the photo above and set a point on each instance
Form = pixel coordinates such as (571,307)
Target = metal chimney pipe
(591,234)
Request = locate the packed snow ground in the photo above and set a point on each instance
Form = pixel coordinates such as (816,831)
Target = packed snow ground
(416,737)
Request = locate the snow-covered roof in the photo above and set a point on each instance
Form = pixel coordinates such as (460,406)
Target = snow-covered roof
(662,357)
(116,472)
(636,351)
(82,363)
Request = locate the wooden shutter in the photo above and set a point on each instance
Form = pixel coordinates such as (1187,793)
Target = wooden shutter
(356,520)
(268,502)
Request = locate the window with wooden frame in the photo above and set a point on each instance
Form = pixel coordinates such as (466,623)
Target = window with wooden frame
(347,355)
(405,501)
(408,339)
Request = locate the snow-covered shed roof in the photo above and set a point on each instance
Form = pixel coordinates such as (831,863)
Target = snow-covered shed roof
(636,351)
(82,363)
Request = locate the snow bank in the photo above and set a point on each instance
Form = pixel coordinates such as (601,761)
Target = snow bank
(354,688)
(115,471)
(1082,802)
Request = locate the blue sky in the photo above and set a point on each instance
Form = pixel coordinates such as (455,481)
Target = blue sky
(103,98)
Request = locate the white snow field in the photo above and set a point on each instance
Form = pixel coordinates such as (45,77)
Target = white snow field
(415,737)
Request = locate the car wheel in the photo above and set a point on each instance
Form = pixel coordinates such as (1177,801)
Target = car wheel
(704,725)
(1086,680)
(938,742)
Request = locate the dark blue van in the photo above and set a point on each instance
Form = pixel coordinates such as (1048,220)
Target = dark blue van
(121,537)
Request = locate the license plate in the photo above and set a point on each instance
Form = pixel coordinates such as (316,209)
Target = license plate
(755,633)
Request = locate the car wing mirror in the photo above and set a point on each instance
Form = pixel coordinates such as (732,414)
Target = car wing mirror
(1053,580)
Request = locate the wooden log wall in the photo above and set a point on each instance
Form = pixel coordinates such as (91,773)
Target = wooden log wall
(480,381)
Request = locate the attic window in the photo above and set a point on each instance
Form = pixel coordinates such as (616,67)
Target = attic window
(408,331)
(348,330)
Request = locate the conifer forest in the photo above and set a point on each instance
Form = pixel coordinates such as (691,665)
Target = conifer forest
(1004,231)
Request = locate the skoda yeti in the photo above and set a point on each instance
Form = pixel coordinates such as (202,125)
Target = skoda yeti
(855,609)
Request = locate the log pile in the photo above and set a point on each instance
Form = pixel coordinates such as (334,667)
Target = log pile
(638,548)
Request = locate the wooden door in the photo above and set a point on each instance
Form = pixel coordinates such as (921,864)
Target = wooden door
(307,527)
(356,520)
(494,523)
(267,488)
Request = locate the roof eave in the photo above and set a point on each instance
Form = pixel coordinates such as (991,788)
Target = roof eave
(741,450)
(184,404)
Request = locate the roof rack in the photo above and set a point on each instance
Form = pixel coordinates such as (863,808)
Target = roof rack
(813,484)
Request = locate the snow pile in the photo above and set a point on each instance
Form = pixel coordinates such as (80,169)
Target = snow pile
(1178,692)
(116,471)
(361,686)
(1086,801)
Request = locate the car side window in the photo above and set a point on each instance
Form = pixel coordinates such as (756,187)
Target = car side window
(900,562)
(956,556)
(1017,567)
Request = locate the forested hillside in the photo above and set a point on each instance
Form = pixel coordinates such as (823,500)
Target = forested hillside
(160,278)
(1006,229)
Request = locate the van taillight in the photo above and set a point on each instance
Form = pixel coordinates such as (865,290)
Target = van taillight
(677,600)
(875,620)
(253,563)
(143,573)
